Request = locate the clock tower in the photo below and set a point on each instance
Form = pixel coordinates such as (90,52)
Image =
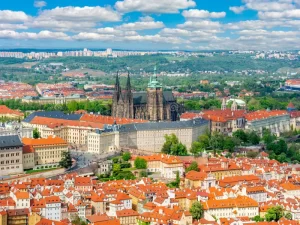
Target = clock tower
(155,102)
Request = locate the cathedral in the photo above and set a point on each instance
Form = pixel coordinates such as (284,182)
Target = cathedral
(155,104)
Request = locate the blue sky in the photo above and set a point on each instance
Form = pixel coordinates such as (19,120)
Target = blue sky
(151,24)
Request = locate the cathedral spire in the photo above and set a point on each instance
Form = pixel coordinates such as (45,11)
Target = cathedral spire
(117,92)
(223,106)
(128,85)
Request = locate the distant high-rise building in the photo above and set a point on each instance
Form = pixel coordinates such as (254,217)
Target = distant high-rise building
(109,51)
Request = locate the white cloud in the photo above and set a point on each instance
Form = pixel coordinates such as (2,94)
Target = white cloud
(269,5)
(70,13)
(237,9)
(200,25)
(8,16)
(10,34)
(154,6)
(142,25)
(14,26)
(39,4)
(202,14)
(293,13)
(171,32)
(61,25)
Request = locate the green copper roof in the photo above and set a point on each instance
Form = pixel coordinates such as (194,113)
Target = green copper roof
(153,81)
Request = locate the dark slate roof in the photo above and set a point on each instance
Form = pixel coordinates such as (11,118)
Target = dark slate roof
(10,141)
(140,98)
(52,114)
(164,125)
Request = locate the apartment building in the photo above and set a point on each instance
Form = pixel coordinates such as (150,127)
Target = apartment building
(47,150)
(11,158)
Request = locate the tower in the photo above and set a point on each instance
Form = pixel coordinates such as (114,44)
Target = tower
(118,103)
(128,100)
(223,106)
(234,106)
(155,99)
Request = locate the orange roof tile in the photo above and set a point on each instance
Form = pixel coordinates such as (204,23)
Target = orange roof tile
(50,140)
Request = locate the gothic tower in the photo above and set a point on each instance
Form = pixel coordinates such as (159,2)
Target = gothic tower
(128,100)
(155,99)
(118,102)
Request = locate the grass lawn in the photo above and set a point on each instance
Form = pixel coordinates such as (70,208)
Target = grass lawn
(129,169)
(38,171)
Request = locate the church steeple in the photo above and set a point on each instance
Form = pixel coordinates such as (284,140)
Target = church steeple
(223,106)
(153,81)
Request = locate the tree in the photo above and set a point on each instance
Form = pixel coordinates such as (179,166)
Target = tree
(116,167)
(240,134)
(66,160)
(193,166)
(204,141)
(36,133)
(217,141)
(196,148)
(253,137)
(258,219)
(274,213)
(229,144)
(140,163)
(288,216)
(252,154)
(126,156)
(78,221)
(172,146)
(268,137)
(197,210)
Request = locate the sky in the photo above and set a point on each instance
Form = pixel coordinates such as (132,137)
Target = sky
(151,24)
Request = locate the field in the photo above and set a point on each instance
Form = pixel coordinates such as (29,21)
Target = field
(26,65)
(90,72)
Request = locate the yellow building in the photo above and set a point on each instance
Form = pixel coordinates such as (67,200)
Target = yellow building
(221,169)
(3,218)
(28,157)
(127,216)
(47,150)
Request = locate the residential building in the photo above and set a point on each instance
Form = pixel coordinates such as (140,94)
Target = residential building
(11,155)
(28,157)
(230,208)
(194,179)
(166,165)
(10,113)
(47,150)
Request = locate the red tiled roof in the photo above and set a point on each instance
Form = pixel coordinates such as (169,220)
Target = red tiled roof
(50,140)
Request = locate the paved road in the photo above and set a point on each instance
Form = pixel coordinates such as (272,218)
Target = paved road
(84,159)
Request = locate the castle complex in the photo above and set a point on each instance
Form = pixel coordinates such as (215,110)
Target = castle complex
(155,104)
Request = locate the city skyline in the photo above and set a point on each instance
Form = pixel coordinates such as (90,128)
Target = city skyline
(155,25)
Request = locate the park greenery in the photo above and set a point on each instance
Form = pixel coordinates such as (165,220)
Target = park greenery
(99,106)
(122,168)
(66,160)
